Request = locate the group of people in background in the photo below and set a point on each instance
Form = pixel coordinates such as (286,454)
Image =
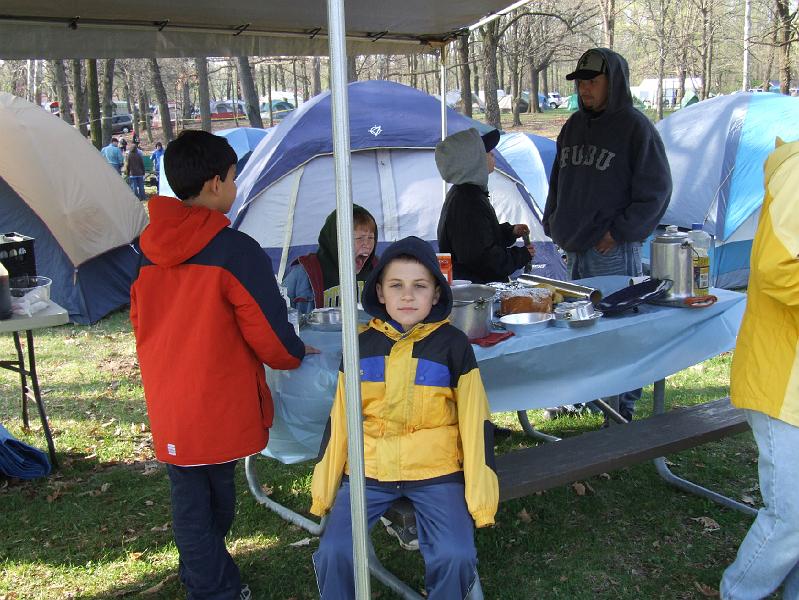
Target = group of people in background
(130,162)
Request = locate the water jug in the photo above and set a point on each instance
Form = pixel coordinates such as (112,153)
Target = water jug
(672,258)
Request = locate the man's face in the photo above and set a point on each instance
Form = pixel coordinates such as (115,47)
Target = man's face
(491,162)
(594,92)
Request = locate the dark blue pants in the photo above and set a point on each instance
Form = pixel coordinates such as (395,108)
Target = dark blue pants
(203,505)
(136,183)
(622,259)
(446,539)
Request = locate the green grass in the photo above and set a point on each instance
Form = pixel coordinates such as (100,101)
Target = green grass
(99,526)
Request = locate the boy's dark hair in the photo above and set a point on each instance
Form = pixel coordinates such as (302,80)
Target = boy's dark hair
(113,139)
(195,157)
(159,145)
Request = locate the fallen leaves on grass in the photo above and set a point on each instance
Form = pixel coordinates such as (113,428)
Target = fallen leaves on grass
(524,516)
(708,523)
(706,590)
(746,499)
(163,527)
(266,490)
(581,488)
(302,542)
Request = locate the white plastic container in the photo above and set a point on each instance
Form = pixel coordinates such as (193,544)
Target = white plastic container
(702,244)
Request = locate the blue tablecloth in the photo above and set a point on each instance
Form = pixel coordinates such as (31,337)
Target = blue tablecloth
(550,368)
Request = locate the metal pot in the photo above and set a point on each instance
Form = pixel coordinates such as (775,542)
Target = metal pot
(471,309)
(672,258)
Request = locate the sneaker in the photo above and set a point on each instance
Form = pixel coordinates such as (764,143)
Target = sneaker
(245,593)
(407,537)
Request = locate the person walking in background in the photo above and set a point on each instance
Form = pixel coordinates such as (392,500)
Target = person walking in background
(156,157)
(134,171)
(765,382)
(610,182)
(113,155)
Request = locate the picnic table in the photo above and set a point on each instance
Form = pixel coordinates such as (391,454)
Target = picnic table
(553,367)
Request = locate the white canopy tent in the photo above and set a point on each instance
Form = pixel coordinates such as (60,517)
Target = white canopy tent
(185,28)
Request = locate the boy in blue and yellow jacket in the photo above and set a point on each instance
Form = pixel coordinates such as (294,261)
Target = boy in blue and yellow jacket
(427,434)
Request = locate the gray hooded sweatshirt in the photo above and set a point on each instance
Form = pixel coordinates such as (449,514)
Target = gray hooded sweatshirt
(610,172)
(468,227)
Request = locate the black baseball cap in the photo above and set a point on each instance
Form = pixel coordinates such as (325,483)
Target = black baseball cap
(591,64)
(490,139)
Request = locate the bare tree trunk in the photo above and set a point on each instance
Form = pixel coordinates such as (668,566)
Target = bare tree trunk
(465,72)
(136,109)
(500,69)
(515,89)
(108,97)
(545,81)
(185,93)
(64,110)
(305,91)
(144,114)
(294,80)
(747,42)
(201,65)
(163,104)
(37,83)
(772,51)
(269,95)
(317,77)
(476,69)
(248,89)
(608,10)
(414,79)
(534,85)
(352,70)
(94,103)
(490,33)
(661,75)
(81,107)
(784,15)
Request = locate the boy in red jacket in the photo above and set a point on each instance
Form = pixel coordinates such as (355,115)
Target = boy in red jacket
(207,315)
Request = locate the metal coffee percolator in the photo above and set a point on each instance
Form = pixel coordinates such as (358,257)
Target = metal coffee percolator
(672,258)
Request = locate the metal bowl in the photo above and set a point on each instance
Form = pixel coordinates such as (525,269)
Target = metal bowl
(324,319)
(527,323)
(576,323)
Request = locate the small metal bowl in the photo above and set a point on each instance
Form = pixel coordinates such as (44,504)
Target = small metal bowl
(576,323)
(579,310)
(324,319)
(526,323)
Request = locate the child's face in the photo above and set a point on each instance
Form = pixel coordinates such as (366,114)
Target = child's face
(364,244)
(227,190)
(409,292)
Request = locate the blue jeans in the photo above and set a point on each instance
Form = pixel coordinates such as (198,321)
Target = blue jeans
(446,539)
(769,554)
(203,506)
(136,183)
(623,259)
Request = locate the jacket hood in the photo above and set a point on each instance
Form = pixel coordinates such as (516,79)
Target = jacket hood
(461,158)
(327,253)
(619,96)
(422,251)
(178,231)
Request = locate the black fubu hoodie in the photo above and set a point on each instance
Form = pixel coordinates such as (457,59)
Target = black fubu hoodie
(610,172)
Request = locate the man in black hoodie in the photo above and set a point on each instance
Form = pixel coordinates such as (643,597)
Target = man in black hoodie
(610,182)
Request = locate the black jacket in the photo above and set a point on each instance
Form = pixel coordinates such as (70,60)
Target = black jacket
(469,230)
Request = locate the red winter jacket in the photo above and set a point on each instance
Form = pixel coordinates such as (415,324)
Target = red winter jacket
(207,314)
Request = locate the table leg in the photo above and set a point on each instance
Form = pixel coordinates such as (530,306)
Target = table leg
(23,380)
(659,407)
(37,396)
(531,431)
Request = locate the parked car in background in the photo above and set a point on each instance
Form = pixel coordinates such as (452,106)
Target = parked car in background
(121,124)
(554,99)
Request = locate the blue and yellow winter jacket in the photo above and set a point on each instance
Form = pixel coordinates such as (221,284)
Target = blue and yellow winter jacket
(425,411)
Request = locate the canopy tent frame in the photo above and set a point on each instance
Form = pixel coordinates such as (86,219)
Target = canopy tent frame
(53,40)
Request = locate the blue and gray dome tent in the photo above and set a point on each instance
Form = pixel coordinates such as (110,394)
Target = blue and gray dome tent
(243,140)
(56,188)
(531,156)
(716,150)
(287,188)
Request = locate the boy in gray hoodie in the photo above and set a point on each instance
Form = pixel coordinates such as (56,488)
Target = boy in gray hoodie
(468,227)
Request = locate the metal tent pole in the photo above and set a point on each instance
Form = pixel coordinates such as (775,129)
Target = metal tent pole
(443,91)
(341,159)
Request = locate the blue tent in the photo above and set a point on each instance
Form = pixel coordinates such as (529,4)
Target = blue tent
(79,210)
(287,188)
(531,156)
(716,151)
(243,140)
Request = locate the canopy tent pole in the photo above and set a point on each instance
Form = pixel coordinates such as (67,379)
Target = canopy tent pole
(344,222)
(443,91)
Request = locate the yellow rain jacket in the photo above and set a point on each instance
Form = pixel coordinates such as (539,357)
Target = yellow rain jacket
(425,417)
(765,368)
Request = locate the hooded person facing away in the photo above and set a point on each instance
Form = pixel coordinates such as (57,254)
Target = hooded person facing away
(468,227)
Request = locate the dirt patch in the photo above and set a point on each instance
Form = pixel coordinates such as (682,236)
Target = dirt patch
(121,366)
